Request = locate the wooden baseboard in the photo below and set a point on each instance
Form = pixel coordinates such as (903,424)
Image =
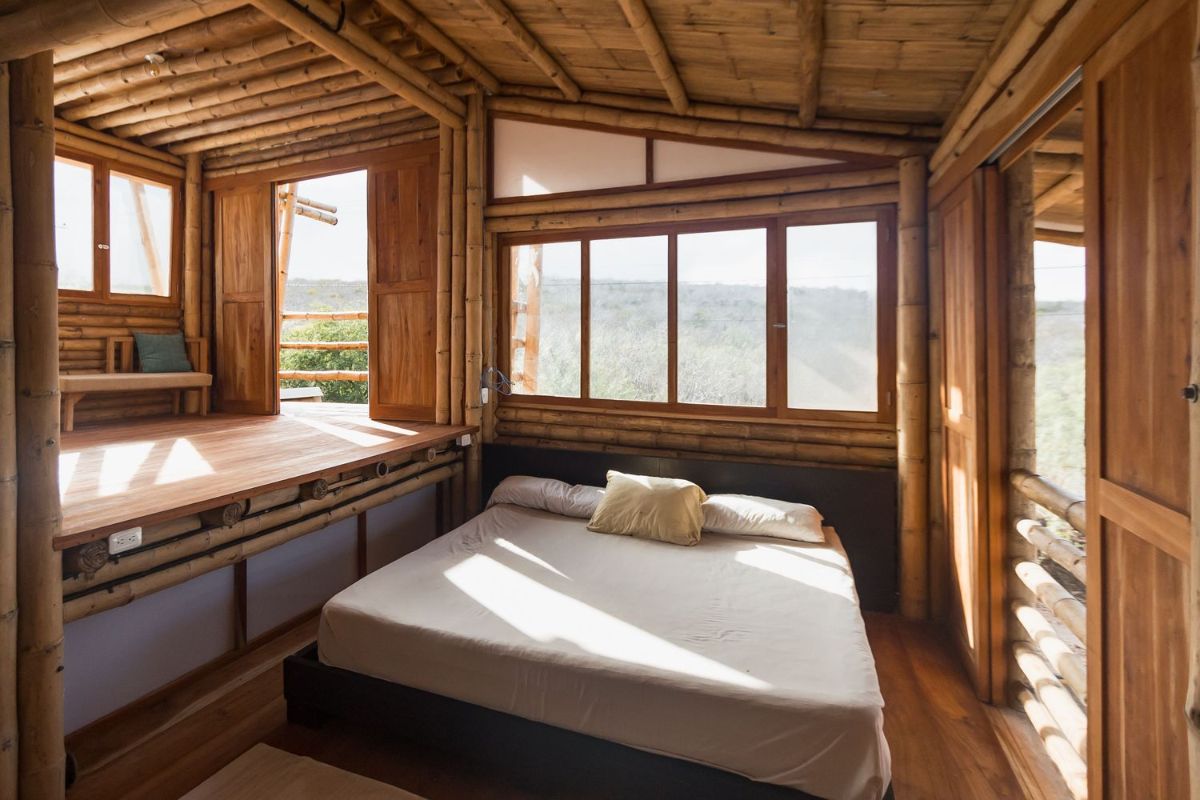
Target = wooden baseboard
(236,699)
(1023,748)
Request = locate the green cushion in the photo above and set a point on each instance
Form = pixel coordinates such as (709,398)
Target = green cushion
(162,352)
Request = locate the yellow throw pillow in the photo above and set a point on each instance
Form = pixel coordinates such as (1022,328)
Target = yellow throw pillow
(665,509)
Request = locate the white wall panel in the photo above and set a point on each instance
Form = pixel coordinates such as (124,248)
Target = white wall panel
(680,161)
(532,159)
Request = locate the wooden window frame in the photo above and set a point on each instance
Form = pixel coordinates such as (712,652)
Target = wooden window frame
(101,290)
(776,408)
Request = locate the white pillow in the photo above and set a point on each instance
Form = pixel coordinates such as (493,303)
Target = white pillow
(547,494)
(745,515)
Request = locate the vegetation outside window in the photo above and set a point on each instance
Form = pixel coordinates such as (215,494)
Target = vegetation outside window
(628,290)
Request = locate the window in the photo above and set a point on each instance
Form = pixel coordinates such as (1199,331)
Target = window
(785,317)
(73,236)
(133,252)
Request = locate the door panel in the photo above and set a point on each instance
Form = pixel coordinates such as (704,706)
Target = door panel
(964,425)
(402,270)
(1137,145)
(246,340)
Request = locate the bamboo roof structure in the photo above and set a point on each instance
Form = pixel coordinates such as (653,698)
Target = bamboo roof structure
(209,76)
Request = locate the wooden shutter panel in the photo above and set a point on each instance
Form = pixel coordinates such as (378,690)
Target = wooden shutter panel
(402,275)
(246,341)
(1138,148)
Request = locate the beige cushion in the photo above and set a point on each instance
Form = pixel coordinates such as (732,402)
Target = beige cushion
(664,509)
(132,381)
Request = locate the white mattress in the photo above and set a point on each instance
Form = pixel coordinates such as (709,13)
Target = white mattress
(745,654)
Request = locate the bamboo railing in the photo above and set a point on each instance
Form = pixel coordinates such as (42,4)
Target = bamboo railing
(1049,676)
(357,376)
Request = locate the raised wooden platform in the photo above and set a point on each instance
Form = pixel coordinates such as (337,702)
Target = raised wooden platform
(114,477)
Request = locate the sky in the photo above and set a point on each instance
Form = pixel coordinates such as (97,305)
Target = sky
(1058,271)
(332,252)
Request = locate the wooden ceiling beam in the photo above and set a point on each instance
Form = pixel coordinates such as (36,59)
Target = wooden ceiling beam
(1058,162)
(306,135)
(358,136)
(236,25)
(1057,193)
(354,46)
(432,35)
(652,42)
(811,19)
(58,24)
(994,73)
(533,49)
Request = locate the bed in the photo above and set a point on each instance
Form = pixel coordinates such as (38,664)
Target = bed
(743,660)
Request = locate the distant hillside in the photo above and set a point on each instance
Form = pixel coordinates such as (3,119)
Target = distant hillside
(325,295)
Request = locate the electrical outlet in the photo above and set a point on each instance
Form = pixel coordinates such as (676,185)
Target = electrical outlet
(483,395)
(121,541)
(464,440)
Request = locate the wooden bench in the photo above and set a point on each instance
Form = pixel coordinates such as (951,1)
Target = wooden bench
(119,376)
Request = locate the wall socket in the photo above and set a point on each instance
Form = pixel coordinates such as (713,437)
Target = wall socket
(124,540)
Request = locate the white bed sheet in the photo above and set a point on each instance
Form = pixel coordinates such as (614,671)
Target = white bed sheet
(746,654)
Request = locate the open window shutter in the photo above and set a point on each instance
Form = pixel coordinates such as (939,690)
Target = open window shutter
(247,341)
(969,387)
(1138,152)
(402,275)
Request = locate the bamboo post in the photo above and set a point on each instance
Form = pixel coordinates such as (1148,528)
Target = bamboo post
(473,290)
(8,467)
(207,266)
(192,278)
(458,265)
(146,234)
(1022,310)
(444,247)
(912,379)
(488,431)
(42,762)
(287,222)
(939,569)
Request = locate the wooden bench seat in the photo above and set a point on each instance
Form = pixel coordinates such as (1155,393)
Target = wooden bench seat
(120,377)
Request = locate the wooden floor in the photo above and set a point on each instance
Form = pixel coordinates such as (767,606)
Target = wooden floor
(117,476)
(942,741)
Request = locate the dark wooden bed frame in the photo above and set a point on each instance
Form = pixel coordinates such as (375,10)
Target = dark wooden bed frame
(556,762)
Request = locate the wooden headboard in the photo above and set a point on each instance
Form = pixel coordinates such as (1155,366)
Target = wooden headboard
(860,503)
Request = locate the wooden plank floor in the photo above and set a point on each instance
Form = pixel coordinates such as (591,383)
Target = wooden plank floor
(942,742)
(118,476)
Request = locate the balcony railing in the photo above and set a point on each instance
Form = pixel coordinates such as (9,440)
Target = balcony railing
(1049,629)
(358,376)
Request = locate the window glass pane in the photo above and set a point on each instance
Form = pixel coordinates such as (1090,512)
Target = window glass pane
(545,352)
(73,238)
(629,318)
(832,317)
(723,317)
(140,213)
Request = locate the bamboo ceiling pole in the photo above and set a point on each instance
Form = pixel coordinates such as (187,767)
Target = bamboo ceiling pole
(52,24)
(639,18)
(912,386)
(762,187)
(709,129)
(995,74)
(1060,191)
(129,79)
(292,125)
(87,136)
(723,112)
(533,49)
(429,33)
(39,511)
(717,209)
(810,15)
(229,25)
(367,134)
(458,266)
(8,467)
(413,85)
(331,152)
(444,246)
(473,289)
(310,134)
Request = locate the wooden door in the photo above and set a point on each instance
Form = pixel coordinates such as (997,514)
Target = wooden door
(1138,105)
(402,275)
(971,456)
(247,349)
